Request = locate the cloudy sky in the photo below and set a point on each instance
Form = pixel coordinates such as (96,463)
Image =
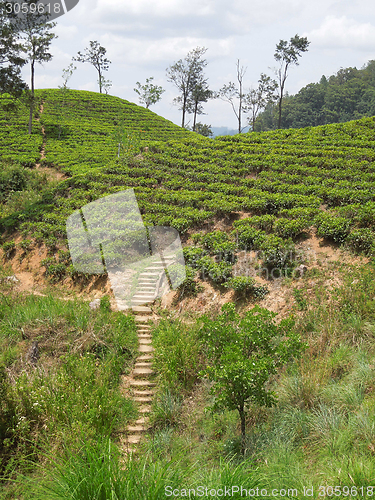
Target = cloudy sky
(143,37)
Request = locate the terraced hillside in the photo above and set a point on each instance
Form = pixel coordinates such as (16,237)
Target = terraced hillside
(282,184)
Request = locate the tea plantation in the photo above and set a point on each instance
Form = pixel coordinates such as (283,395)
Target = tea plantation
(289,181)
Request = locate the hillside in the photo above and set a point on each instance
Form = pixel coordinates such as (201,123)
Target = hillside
(314,179)
(283,219)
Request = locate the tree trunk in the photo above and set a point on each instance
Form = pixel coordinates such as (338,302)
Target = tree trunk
(280,102)
(241,411)
(32,96)
(100,81)
(279,121)
(195,115)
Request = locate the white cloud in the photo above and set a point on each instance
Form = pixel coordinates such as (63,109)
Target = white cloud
(341,32)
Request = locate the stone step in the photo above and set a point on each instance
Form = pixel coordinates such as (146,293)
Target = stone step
(142,399)
(142,421)
(144,394)
(144,329)
(144,409)
(142,372)
(145,348)
(134,438)
(143,295)
(141,302)
(135,429)
(145,357)
(143,364)
(154,268)
(142,383)
(144,336)
(145,341)
(141,309)
(144,289)
(149,275)
(141,319)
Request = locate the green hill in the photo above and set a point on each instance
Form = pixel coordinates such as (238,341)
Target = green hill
(319,177)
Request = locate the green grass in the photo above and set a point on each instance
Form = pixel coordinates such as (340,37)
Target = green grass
(72,391)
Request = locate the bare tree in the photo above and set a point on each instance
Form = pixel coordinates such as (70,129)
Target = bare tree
(235,95)
(95,55)
(184,74)
(287,54)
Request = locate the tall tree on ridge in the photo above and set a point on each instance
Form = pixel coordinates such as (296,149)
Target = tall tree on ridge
(37,39)
(185,73)
(287,54)
(95,55)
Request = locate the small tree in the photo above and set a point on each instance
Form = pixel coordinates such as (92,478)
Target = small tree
(243,354)
(67,74)
(203,129)
(235,95)
(37,39)
(95,55)
(185,74)
(257,99)
(287,54)
(149,93)
(200,93)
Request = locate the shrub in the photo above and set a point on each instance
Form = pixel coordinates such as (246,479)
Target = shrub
(26,245)
(217,272)
(286,228)
(54,270)
(244,285)
(250,237)
(192,255)
(331,227)
(277,253)
(8,248)
(189,287)
(361,240)
(214,239)
(177,355)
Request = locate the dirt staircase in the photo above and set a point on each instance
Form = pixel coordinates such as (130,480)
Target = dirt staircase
(141,382)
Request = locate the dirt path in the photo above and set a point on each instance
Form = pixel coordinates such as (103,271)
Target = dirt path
(51,172)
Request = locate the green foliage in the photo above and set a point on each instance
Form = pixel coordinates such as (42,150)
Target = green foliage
(300,299)
(8,248)
(330,227)
(243,353)
(166,410)
(189,287)
(177,355)
(105,303)
(219,273)
(361,240)
(244,286)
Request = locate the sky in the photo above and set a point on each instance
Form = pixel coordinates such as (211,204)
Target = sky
(144,37)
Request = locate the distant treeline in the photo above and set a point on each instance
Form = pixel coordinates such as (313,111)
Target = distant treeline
(347,95)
